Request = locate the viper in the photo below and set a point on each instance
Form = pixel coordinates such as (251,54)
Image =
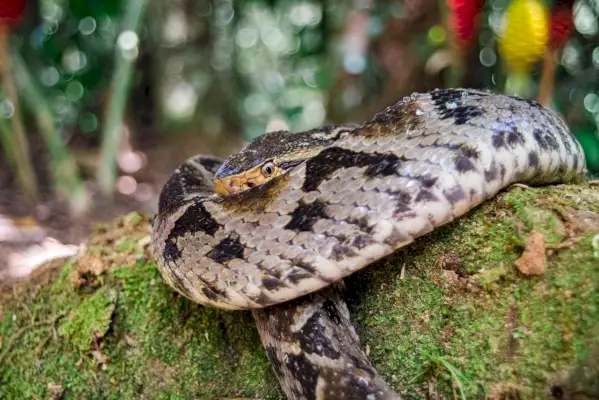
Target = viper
(276,227)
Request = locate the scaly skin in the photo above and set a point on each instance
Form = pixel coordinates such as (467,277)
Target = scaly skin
(413,167)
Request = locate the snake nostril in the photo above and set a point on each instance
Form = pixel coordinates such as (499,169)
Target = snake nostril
(251,184)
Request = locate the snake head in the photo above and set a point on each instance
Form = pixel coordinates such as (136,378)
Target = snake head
(272,155)
(255,176)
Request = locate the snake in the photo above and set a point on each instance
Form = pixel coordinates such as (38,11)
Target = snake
(276,227)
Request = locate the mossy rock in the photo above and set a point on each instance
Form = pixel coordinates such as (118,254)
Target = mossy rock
(447,316)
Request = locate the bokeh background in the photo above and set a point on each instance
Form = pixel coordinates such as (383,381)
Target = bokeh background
(101,99)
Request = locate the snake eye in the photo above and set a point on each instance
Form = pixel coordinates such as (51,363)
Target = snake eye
(268,169)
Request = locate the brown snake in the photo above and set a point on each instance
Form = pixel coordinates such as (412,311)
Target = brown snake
(307,209)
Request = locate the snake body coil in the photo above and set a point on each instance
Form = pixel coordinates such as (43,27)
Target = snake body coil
(410,169)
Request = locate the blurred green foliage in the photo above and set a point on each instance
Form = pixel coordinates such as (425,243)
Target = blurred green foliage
(70,52)
(224,67)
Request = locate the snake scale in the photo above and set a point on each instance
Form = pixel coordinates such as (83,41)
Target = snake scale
(297,212)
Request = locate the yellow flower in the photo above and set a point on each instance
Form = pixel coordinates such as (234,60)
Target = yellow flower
(525,33)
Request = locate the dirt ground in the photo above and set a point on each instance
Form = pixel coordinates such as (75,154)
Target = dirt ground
(46,229)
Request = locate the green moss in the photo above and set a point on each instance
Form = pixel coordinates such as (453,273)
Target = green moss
(91,319)
(473,323)
(533,217)
(489,279)
(126,245)
(130,337)
(511,332)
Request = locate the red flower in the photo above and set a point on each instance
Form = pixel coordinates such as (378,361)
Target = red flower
(11,11)
(562,23)
(463,20)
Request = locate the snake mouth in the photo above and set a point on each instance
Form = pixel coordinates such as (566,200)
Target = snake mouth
(239,183)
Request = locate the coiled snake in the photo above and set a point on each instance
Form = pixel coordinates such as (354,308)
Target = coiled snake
(296,213)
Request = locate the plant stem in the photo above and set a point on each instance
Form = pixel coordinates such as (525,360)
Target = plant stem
(125,56)
(65,173)
(156,21)
(15,143)
(547,77)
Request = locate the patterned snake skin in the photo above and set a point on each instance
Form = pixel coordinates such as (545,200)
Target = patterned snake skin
(413,167)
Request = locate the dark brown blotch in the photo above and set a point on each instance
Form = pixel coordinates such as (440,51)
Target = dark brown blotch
(341,252)
(507,134)
(396,237)
(426,196)
(442,96)
(305,216)
(385,165)
(545,140)
(561,170)
(514,138)
(172,194)
(363,223)
(492,173)
(211,164)
(210,294)
(228,249)
(565,139)
(330,308)
(304,265)
(403,201)
(466,158)
(186,179)
(322,166)
(304,373)
(533,159)
(426,181)
(272,283)
(464,164)
(295,276)
(313,338)
(393,120)
(454,195)
(462,113)
(551,141)
(195,219)
(361,241)
(498,141)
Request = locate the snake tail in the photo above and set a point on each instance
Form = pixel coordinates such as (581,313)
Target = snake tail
(315,351)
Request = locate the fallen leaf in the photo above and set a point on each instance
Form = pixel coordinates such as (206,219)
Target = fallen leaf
(533,261)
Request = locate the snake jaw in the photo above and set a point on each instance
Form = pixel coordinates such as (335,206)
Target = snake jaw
(242,181)
(223,187)
(245,180)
